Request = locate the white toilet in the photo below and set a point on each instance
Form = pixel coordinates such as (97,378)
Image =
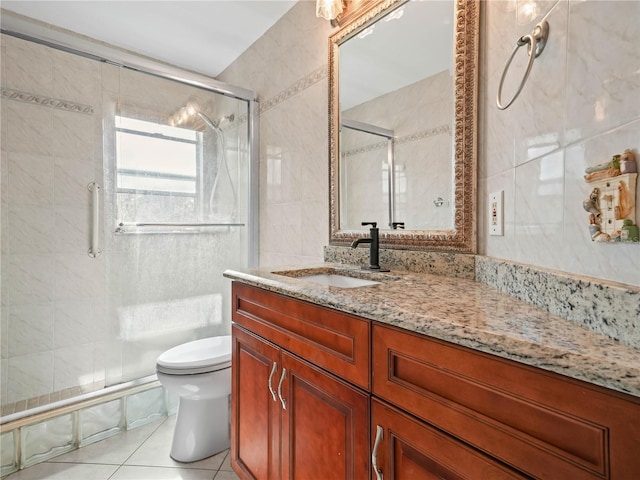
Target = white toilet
(200,373)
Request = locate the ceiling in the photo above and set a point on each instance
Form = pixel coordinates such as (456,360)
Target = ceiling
(202,36)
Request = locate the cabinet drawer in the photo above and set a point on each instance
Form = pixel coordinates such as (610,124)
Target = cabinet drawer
(541,423)
(335,341)
(412,450)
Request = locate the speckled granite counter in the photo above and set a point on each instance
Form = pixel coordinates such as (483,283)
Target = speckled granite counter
(467,313)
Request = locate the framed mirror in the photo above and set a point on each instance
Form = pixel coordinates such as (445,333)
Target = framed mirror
(402,124)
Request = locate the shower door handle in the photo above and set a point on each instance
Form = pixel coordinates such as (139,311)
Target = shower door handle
(282,377)
(94,249)
(273,371)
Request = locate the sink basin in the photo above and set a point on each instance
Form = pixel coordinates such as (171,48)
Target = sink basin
(327,276)
(341,281)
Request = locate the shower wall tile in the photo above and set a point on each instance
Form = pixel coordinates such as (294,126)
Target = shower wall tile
(603,78)
(110,78)
(74,77)
(73,366)
(72,176)
(72,227)
(31,179)
(78,276)
(4,332)
(29,128)
(27,66)
(32,279)
(30,229)
(75,324)
(29,376)
(4,375)
(100,362)
(30,329)
(73,135)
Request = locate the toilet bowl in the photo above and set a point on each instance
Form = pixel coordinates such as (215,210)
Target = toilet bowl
(199,372)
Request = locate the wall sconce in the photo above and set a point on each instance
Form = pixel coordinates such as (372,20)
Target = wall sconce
(329,9)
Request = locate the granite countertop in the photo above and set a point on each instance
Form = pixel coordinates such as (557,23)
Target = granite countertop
(466,313)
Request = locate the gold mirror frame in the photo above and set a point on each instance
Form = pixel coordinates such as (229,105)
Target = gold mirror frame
(462,238)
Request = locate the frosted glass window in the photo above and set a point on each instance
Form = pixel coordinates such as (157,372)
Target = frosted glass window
(158,171)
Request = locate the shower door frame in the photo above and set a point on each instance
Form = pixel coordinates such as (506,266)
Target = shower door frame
(66,41)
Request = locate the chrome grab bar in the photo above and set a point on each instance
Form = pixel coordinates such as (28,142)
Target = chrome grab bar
(182,224)
(535,41)
(374,453)
(282,377)
(273,371)
(94,249)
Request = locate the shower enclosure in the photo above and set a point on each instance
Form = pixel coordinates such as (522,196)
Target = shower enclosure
(126,190)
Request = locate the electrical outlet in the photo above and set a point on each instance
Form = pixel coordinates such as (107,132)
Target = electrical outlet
(496,213)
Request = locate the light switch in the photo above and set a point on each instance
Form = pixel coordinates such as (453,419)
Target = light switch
(496,213)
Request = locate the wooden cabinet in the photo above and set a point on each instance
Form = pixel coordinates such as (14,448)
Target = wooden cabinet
(255,420)
(312,385)
(539,423)
(405,448)
(291,419)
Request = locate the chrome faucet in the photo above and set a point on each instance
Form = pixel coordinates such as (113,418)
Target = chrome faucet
(374,247)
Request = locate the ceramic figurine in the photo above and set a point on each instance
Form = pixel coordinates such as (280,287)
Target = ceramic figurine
(603,170)
(629,232)
(612,202)
(592,204)
(628,162)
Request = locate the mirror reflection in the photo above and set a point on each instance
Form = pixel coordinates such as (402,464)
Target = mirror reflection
(392,79)
(407,68)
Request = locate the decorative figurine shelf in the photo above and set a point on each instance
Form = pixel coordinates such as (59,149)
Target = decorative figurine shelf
(612,201)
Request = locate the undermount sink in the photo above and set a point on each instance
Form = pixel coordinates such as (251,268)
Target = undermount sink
(328,277)
(334,280)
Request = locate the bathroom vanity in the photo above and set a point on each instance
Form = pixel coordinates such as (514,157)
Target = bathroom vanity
(419,376)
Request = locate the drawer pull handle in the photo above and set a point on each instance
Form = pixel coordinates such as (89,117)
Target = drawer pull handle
(374,454)
(282,377)
(273,371)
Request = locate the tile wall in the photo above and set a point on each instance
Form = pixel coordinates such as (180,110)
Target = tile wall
(581,106)
(287,68)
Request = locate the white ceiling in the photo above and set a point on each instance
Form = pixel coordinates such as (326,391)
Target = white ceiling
(202,36)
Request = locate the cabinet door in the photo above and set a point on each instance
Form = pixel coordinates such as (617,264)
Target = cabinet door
(407,449)
(255,413)
(325,425)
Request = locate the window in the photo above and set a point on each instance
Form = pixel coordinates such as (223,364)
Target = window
(158,169)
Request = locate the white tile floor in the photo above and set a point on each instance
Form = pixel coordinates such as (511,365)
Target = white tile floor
(139,454)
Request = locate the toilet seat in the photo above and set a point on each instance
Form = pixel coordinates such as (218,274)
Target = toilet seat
(200,356)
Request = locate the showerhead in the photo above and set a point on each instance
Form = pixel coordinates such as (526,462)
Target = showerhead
(191,116)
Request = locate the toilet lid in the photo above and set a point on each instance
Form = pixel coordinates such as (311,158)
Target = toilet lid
(199,356)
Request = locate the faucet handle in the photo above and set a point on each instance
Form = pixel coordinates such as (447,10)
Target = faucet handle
(373,224)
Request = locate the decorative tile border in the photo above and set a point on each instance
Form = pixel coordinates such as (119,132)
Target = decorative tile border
(302,84)
(43,101)
(432,132)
